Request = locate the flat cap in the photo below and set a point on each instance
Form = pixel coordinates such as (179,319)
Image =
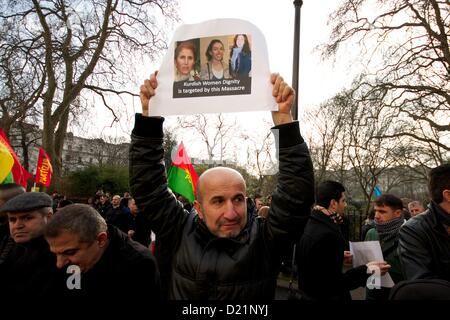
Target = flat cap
(27,201)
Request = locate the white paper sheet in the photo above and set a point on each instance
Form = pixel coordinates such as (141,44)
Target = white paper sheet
(366,251)
(197,94)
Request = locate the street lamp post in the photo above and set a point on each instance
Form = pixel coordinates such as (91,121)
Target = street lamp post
(297,4)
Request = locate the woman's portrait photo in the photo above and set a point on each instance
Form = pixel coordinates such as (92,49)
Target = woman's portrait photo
(214,67)
(240,57)
(186,61)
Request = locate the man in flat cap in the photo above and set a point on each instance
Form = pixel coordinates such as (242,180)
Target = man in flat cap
(29,269)
(7,191)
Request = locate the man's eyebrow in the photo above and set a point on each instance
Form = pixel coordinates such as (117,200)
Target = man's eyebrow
(68,250)
(217,198)
(22,216)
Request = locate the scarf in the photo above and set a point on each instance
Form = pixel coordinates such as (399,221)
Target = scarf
(389,230)
(234,57)
(335,217)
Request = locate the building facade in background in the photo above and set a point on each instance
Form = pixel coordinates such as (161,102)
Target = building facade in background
(78,152)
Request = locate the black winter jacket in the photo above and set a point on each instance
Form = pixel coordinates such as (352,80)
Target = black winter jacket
(424,246)
(30,271)
(320,255)
(126,270)
(194,263)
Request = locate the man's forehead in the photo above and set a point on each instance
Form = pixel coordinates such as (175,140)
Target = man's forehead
(224,188)
(225,194)
(22,214)
(65,238)
(383,207)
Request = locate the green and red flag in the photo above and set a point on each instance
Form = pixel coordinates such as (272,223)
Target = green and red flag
(10,168)
(182,177)
(44,169)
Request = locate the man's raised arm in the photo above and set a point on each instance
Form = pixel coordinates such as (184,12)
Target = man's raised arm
(148,179)
(294,193)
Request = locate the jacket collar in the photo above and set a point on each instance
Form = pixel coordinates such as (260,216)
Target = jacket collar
(440,217)
(324,219)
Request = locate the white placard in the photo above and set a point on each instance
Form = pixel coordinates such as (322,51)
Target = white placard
(187,83)
(366,251)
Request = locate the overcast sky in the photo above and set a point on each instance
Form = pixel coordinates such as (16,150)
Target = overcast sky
(318,81)
(276,21)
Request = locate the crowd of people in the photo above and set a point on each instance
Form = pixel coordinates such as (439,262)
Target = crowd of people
(223,246)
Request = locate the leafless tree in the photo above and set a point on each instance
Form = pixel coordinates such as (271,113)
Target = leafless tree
(80,47)
(405,46)
(260,152)
(324,138)
(216,131)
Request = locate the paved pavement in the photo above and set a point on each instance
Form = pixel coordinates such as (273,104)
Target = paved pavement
(281,292)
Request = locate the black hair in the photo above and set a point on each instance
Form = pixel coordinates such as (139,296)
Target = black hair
(328,190)
(80,219)
(438,181)
(389,200)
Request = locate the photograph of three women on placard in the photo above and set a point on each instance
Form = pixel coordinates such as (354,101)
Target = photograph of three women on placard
(213,58)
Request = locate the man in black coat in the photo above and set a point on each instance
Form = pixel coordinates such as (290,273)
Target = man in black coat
(424,240)
(7,191)
(100,259)
(29,267)
(220,250)
(320,253)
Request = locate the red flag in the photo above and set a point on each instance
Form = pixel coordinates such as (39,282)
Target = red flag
(44,169)
(20,175)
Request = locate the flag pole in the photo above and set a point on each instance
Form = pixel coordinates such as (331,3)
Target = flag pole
(297,4)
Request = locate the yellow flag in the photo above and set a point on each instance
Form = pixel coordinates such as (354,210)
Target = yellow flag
(6,162)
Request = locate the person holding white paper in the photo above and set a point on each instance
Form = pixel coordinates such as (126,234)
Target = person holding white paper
(220,250)
(388,221)
(320,252)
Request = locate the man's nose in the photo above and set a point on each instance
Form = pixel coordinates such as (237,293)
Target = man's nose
(230,212)
(377,216)
(61,261)
(18,224)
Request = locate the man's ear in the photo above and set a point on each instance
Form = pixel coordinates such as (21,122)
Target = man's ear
(398,213)
(333,205)
(102,237)
(446,195)
(198,208)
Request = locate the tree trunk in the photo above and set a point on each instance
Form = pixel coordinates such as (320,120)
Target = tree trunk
(5,124)
(60,136)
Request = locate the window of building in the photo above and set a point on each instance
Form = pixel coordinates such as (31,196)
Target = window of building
(67,157)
